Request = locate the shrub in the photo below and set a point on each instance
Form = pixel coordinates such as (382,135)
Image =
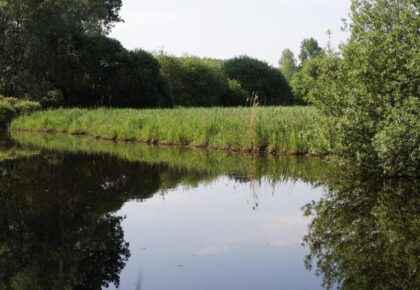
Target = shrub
(140,82)
(12,107)
(235,95)
(398,141)
(53,99)
(316,82)
(372,99)
(194,81)
(259,77)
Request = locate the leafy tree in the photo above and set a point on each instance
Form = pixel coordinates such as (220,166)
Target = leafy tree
(314,82)
(258,77)
(106,74)
(141,83)
(92,79)
(235,95)
(194,81)
(287,64)
(376,121)
(309,48)
(39,40)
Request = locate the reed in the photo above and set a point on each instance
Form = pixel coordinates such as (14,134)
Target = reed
(277,130)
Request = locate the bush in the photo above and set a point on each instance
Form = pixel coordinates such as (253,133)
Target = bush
(316,82)
(53,99)
(194,81)
(398,141)
(107,74)
(12,107)
(235,95)
(259,77)
(141,83)
(371,96)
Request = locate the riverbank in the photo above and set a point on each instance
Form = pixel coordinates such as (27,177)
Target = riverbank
(274,130)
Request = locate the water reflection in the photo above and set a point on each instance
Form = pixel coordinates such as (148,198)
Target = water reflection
(365,233)
(82,214)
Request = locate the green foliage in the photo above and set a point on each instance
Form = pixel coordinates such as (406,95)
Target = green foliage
(194,81)
(309,48)
(53,99)
(398,141)
(40,41)
(61,47)
(235,95)
(140,83)
(374,94)
(12,107)
(109,75)
(316,83)
(288,64)
(258,77)
(289,130)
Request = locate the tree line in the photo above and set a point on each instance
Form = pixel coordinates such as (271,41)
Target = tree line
(59,53)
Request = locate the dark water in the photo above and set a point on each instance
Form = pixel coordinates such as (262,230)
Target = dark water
(82,214)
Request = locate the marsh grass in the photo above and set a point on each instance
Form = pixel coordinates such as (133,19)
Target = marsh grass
(277,130)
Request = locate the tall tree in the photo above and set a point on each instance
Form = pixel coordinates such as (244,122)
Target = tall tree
(377,122)
(287,64)
(40,39)
(309,48)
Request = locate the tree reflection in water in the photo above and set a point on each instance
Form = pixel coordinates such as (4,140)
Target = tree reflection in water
(365,234)
(57,227)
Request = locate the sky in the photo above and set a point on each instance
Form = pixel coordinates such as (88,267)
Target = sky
(227,28)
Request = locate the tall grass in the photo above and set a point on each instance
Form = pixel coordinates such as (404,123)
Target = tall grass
(281,130)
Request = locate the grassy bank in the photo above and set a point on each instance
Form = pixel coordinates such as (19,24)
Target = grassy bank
(281,130)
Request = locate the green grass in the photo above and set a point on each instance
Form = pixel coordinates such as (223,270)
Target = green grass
(282,130)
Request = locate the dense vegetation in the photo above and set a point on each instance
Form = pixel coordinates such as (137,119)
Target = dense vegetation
(258,77)
(11,107)
(288,130)
(200,82)
(58,53)
(368,92)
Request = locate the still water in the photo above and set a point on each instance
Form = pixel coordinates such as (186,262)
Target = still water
(76,213)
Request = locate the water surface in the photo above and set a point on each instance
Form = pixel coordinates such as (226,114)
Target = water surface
(76,213)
